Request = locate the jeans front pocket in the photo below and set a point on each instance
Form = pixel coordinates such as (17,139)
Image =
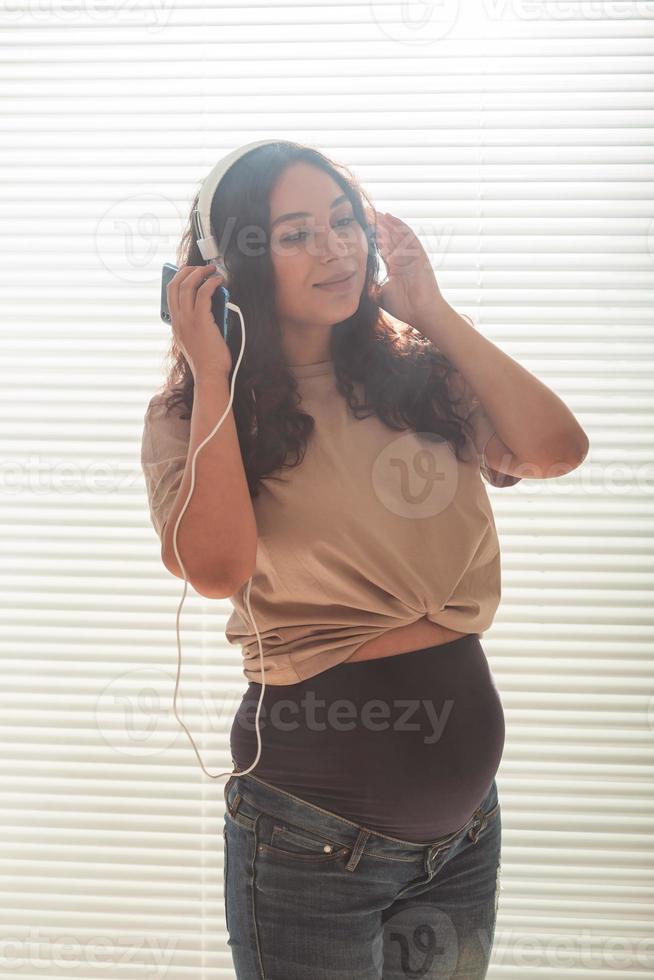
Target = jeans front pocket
(278,837)
(296,843)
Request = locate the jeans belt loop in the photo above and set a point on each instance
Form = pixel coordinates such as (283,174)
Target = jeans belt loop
(357,850)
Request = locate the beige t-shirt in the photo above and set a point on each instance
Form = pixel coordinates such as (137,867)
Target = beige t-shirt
(373,530)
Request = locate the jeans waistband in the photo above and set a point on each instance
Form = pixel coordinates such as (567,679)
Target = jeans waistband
(279,803)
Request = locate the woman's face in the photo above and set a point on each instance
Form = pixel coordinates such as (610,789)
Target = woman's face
(325,243)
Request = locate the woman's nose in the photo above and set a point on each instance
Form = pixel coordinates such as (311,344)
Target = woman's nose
(329,242)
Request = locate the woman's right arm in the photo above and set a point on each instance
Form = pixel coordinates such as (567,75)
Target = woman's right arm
(217,535)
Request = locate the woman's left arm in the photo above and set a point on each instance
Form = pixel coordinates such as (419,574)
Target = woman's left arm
(534,428)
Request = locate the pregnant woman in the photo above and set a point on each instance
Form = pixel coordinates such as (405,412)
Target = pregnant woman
(346,488)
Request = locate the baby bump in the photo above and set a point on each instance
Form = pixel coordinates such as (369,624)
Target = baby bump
(406,745)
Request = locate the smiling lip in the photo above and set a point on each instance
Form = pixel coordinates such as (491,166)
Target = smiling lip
(335,287)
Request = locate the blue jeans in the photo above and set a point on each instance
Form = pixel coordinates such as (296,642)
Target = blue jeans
(310,895)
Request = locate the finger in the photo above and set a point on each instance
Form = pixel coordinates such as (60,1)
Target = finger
(204,293)
(188,286)
(372,217)
(183,274)
(391,228)
(173,287)
(384,241)
(395,229)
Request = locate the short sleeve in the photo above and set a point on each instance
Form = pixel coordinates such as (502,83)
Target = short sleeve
(482,427)
(164,448)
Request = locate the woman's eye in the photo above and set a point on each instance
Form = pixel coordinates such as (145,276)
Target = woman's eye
(295,237)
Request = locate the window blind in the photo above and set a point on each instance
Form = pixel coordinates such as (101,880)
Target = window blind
(516,141)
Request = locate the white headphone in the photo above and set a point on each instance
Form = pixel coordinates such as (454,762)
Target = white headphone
(211,254)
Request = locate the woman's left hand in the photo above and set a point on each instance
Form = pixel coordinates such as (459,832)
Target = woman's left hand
(410,291)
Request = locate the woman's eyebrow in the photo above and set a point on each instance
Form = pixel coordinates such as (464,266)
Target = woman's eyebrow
(307,214)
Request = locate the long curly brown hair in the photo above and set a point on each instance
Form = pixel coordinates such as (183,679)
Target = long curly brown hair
(407,382)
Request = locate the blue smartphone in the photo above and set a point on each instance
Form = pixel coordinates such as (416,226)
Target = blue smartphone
(219,300)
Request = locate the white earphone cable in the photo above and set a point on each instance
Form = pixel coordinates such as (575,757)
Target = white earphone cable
(236,309)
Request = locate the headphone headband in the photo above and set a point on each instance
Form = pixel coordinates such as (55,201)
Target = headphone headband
(206,242)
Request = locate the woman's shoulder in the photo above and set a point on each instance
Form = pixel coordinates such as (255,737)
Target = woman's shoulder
(166,402)
(164,427)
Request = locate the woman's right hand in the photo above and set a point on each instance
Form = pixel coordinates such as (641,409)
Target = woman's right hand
(195,330)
